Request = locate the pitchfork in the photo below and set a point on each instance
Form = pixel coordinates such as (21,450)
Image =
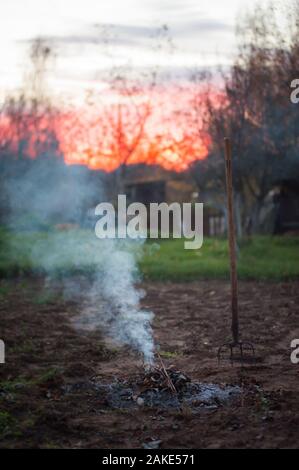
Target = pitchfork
(236,343)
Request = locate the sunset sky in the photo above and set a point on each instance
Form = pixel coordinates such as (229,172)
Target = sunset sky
(203,35)
(89,37)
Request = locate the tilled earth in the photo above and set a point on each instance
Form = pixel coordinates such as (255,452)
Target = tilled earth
(63,388)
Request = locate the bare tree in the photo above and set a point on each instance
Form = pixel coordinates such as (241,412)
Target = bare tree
(256,113)
(121,113)
(27,117)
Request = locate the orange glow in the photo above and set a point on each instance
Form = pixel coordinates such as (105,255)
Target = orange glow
(157,129)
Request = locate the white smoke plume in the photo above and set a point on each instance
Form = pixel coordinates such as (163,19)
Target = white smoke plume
(113,302)
(49,194)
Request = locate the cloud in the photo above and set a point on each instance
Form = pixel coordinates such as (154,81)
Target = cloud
(140,36)
(114,34)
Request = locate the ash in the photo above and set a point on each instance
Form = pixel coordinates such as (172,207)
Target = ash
(150,391)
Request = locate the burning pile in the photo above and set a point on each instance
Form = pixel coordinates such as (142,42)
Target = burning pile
(160,378)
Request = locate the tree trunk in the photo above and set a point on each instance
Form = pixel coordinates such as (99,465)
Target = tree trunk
(238,216)
(120,179)
(255,216)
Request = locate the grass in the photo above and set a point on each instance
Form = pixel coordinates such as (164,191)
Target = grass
(45,298)
(48,375)
(7,423)
(21,383)
(169,354)
(39,252)
(4,291)
(13,385)
(261,258)
(65,253)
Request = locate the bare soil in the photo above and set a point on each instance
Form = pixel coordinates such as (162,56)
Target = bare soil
(45,399)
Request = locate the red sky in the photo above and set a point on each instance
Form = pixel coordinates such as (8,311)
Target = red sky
(157,127)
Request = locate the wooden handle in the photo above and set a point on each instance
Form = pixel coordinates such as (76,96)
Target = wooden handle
(232,240)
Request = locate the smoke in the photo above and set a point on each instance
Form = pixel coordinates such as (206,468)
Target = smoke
(44,192)
(113,302)
(52,205)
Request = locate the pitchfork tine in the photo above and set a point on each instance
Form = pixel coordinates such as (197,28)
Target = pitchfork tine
(236,343)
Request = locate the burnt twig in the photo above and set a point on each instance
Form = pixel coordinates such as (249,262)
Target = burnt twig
(166,375)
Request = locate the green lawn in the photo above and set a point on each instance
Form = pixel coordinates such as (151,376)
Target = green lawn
(262,257)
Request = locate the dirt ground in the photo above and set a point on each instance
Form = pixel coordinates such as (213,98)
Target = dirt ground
(45,354)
